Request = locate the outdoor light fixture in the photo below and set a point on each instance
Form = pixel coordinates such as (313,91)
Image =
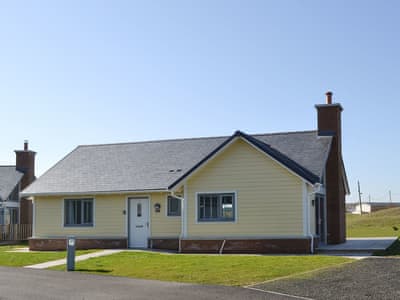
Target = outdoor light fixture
(157,207)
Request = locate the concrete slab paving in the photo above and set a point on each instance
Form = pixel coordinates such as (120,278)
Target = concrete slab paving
(63,261)
(361,245)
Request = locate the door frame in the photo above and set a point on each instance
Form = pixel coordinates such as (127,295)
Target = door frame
(128,223)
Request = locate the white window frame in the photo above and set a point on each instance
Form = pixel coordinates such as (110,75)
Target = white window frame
(78,225)
(235,208)
(167,207)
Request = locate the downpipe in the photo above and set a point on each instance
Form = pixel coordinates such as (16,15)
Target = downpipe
(222,247)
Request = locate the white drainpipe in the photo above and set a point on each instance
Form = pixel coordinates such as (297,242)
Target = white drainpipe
(182,220)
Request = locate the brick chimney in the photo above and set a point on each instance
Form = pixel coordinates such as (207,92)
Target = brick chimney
(330,124)
(25,163)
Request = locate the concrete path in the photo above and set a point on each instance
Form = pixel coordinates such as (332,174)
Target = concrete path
(358,245)
(63,261)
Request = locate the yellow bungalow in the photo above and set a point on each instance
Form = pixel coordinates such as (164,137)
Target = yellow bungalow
(264,193)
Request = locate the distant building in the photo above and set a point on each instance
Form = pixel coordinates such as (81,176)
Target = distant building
(369,207)
(13,208)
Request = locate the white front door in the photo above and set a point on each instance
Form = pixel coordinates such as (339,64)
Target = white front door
(138,222)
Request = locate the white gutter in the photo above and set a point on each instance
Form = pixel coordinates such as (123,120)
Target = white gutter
(24,195)
(182,220)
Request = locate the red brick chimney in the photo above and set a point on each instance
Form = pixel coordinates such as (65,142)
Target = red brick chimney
(330,124)
(25,163)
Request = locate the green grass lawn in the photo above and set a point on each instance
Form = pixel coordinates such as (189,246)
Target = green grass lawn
(16,259)
(237,270)
(378,224)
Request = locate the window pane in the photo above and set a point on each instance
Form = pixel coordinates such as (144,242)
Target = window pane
(174,206)
(216,207)
(227,206)
(87,212)
(207,207)
(78,212)
(139,209)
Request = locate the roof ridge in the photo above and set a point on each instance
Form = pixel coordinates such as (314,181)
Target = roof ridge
(154,141)
(285,132)
(194,138)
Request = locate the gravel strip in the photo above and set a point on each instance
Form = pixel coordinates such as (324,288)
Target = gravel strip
(371,278)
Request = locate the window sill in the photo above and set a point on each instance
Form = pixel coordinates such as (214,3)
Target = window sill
(77,226)
(216,221)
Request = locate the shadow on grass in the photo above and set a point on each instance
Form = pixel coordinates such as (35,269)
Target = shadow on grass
(94,270)
(393,250)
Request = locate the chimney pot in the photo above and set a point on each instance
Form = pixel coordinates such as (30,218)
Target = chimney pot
(328,97)
(26,145)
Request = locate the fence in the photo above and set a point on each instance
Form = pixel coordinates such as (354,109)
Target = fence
(15,232)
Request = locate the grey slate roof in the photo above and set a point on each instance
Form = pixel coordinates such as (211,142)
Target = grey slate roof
(9,178)
(155,165)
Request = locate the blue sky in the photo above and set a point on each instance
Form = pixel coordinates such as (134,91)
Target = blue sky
(84,72)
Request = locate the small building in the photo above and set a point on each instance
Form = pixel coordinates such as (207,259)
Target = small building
(259,193)
(369,207)
(13,208)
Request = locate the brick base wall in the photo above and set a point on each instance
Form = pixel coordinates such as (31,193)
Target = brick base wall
(262,246)
(164,244)
(53,244)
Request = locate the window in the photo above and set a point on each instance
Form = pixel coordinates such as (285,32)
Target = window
(216,207)
(173,206)
(78,212)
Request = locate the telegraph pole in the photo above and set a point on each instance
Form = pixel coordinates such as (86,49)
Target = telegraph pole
(359,196)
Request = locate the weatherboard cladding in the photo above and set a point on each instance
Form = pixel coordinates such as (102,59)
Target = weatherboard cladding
(156,165)
(9,178)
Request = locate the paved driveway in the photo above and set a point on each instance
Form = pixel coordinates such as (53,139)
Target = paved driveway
(371,278)
(19,283)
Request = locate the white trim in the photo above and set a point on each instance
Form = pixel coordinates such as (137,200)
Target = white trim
(325,212)
(216,222)
(127,218)
(185,210)
(33,218)
(305,208)
(77,226)
(89,193)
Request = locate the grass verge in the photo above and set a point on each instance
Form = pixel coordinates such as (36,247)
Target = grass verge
(377,224)
(19,259)
(233,270)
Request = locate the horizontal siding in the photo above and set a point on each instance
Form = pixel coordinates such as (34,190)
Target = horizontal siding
(269,197)
(161,224)
(109,218)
